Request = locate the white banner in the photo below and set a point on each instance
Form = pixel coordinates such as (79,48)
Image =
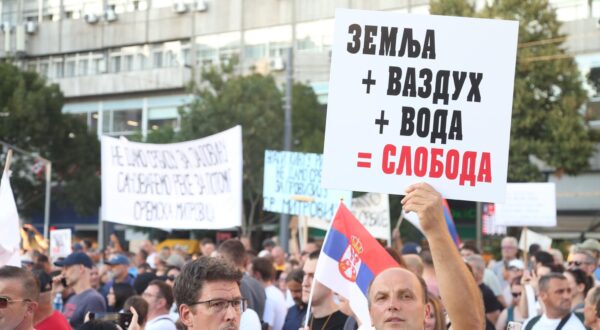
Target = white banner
(528,204)
(529,237)
(10,239)
(420,98)
(371,209)
(188,185)
(60,243)
(292,185)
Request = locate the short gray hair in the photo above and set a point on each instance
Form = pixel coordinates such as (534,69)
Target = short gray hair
(544,281)
(477,261)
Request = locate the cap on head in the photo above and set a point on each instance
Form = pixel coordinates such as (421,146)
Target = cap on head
(44,280)
(589,244)
(516,264)
(76,258)
(118,259)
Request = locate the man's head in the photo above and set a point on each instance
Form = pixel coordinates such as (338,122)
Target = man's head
(207,246)
(45,285)
(263,270)
(208,295)
(76,267)
(515,269)
(398,299)
(585,261)
(321,294)
(159,297)
(119,265)
(294,284)
(278,255)
(555,293)
(477,266)
(19,294)
(509,248)
(468,248)
(309,248)
(233,251)
(591,310)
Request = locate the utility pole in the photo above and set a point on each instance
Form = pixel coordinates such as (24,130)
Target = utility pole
(287,139)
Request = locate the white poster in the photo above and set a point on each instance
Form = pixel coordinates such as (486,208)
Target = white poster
(188,185)
(529,237)
(371,209)
(292,185)
(60,243)
(528,204)
(420,98)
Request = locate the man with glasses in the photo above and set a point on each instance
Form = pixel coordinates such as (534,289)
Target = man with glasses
(208,295)
(19,293)
(509,246)
(585,261)
(159,297)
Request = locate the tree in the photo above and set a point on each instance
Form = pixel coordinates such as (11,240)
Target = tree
(34,122)
(254,101)
(548,93)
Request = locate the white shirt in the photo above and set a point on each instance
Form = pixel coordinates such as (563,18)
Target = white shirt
(250,320)
(275,308)
(544,323)
(161,322)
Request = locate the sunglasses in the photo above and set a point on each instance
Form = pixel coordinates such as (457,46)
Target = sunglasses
(516,294)
(4,301)
(577,263)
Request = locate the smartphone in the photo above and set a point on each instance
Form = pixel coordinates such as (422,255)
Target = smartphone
(121,319)
(514,326)
(63,281)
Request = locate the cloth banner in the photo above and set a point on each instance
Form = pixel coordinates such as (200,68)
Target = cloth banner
(189,185)
(10,237)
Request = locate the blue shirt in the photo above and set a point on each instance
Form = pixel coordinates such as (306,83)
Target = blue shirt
(294,319)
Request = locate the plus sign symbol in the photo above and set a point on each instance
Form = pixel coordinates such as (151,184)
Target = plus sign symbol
(382,122)
(368,81)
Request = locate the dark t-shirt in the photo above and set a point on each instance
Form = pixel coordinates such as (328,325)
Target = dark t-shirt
(333,321)
(491,304)
(294,319)
(78,305)
(253,291)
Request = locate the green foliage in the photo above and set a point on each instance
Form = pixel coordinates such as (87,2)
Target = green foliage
(36,124)
(548,93)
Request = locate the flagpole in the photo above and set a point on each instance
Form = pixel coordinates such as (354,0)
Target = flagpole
(8,161)
(314,280)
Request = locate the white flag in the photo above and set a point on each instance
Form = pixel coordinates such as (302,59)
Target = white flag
(10,237)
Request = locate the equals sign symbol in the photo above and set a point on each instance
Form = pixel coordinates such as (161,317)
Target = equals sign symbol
(364,159)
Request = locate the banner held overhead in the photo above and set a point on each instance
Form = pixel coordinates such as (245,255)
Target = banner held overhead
(189,185)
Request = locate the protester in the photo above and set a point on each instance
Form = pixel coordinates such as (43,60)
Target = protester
(580,284)
(436,319)
(141,307)
(148,248)
(414,263)
(584,260)
(46,318)
(208,295)
(515,270)
(458,289)
(591,310)
(492,306)
(429,273)
(295,314)
(119,265)
(511,313)
(324,313)
(278,256)
(19,294)
(233,251)
(275,306)
(207,247)
(117,295)
(555,293)
(509,249)
(159,297)
(593,246)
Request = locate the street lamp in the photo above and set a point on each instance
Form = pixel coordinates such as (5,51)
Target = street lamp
(48,170)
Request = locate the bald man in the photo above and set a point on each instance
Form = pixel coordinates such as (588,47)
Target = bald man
(398,298)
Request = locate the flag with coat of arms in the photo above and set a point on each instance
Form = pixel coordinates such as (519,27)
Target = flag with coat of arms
(349,261)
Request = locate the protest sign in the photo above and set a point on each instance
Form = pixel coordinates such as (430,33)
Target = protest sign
(372,210)
(292,185)
(529,237)
(528,204)
(60,243)
(188,185)
(420,98)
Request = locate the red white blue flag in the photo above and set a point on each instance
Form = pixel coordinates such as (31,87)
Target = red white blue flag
(350,260)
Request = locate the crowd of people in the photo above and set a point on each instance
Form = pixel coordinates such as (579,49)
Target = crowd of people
(232,286)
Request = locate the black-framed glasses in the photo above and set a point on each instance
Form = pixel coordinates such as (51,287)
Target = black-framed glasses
(516,294)
(216,306)
(576,263)
(5,301)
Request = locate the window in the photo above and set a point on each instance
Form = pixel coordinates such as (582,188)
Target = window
(70,67)
(58,69)
(157,59)
(163,117)
(122,121)
(83,67)
(128,63)
(115,64)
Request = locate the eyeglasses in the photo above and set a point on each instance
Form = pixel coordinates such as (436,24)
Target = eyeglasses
(577,263)
(516,294)
(216,306)
(150,295)
(4,301)
(171,278)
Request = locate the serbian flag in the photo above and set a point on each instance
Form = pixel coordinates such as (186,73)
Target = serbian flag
(413,218)
(350,259)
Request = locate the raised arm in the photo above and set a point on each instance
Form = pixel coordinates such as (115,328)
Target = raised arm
(459,291)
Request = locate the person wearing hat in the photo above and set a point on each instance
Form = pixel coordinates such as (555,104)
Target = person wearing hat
(119,265)
(515,269)
(592,246)
(76,273)
(45,317)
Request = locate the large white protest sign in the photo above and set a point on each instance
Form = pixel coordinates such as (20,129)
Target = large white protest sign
(420,98)
(188,185)
(292,185)
(529,237)
(60,243)
(528,204)
(371,209)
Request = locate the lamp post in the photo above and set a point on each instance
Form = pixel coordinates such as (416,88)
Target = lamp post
(48,171)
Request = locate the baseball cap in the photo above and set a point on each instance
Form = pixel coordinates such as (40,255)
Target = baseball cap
(516,263)
(75,258)
(44,280)
(589,244)
(118,259)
